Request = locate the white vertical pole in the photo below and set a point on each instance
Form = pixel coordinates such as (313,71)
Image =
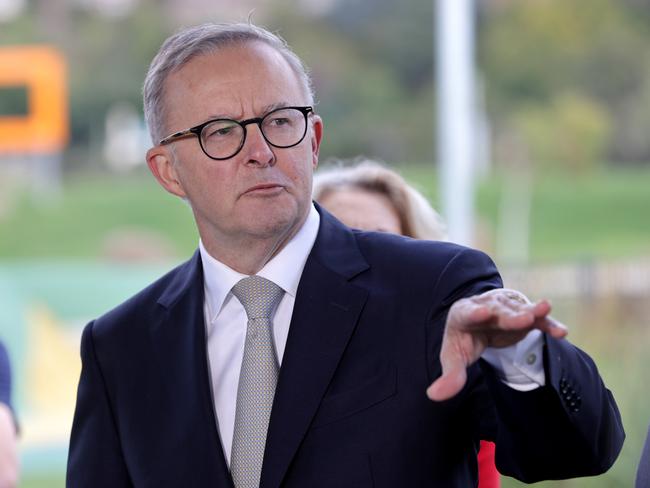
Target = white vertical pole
(456,121)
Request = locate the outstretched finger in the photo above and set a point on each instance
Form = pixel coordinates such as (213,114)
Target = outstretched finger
(542,309)
(552,327)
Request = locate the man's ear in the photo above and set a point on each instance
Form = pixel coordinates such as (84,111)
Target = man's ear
(162,165)
(317,136)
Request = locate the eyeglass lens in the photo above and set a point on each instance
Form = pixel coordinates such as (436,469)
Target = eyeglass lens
(281,128)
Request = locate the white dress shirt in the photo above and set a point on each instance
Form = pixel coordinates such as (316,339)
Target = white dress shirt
(226,322)
(520,366)
(226,319)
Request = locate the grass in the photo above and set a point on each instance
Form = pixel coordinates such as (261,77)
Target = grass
(77,223)
(593,216)
(601,215)
(44,480)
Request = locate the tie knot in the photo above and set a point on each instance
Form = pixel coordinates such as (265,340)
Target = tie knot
(259,296)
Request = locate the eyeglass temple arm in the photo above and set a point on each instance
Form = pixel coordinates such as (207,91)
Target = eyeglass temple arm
(169,138)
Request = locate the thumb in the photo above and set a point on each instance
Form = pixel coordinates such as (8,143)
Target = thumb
(454,377)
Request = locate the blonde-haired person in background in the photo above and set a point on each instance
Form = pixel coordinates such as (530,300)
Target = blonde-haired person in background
(369,196)
(394,205)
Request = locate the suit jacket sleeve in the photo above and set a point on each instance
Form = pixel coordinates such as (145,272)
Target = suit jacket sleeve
(569,428)
(95,458)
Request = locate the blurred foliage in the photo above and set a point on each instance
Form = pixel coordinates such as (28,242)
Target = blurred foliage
(375,99)
(534,52)
(373,67)
(578,127)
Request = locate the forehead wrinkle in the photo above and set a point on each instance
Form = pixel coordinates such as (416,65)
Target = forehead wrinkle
(273,106)
(226,98)
(266,109)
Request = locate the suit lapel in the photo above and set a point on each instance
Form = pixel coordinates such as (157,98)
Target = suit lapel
(325,314)
(180,345)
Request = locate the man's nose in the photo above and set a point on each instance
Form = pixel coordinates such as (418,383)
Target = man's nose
(257,149)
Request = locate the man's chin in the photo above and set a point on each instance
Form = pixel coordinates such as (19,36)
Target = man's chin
(276,222)
(272,226)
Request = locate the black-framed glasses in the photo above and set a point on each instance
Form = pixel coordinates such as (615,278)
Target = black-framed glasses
(223,138)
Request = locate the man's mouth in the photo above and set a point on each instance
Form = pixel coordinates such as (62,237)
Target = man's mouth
(264,189)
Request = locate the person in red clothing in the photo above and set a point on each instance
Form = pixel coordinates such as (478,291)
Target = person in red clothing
(369,196)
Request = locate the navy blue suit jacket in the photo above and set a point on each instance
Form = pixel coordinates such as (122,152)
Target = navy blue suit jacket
(350,408)
(5,377)
(643,472)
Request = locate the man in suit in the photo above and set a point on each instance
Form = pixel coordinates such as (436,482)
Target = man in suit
(182,386)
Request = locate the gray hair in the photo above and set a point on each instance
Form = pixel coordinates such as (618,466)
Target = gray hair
(195,41)
(417,217)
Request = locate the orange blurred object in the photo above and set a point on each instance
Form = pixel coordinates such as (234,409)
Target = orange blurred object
(42,71)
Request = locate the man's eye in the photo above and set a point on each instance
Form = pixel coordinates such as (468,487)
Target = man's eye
(220,131)
(279,121)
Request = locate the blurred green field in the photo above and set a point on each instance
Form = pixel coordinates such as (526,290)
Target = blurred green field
(604,214)
(54,480)
(76,223)
(599,215)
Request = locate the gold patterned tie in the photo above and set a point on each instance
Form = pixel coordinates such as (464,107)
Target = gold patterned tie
(257,379)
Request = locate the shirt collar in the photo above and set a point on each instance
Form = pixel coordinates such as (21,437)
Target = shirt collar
(284,269)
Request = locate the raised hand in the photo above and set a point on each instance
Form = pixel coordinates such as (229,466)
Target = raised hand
(497,318)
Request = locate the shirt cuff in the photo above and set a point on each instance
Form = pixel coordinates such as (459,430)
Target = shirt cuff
(520,366)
